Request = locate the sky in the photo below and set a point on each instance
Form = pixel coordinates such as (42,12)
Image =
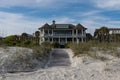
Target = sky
(18,16)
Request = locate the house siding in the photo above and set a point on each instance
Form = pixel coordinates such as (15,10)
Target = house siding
(62,33)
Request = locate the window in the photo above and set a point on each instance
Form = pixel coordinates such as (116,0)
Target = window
(74,31)
(69,39)
(46,32)
(62,32)
(62,27)
(46,39)
(79,31)
(50,31)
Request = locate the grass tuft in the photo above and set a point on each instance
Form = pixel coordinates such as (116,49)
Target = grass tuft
(91,48)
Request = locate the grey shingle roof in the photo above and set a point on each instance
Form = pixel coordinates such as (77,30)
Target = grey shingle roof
(45,26)
(79,26)
(69,26)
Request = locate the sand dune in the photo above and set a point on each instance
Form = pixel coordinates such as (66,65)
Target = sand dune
(79,68)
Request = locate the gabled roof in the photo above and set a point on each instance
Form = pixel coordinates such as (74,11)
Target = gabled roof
(79,26)
(70,26)
(45,26)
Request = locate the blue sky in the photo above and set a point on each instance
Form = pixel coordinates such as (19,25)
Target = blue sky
(17,16)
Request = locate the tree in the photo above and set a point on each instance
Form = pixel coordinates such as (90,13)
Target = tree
(37,34)
(102,34)
(24,36)
(96,34)
(11,40)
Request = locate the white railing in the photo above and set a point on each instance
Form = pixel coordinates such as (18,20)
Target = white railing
(66,35)
(62,34)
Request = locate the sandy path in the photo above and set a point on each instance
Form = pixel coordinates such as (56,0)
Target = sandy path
(59,58)
(60,69)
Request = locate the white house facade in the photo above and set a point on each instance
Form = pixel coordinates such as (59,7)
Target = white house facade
(114,30)
(62,33)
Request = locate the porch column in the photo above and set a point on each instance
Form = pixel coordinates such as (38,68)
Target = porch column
(52,32)
(39,37)
(82,39)
(66,40)
(52,40)
(77,40)
(43,32)
(82,33)
(85,35)
(49,39)
(76,32)
(73,32)
(59,40)
(48,33)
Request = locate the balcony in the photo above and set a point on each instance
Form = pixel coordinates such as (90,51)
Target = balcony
(64,35)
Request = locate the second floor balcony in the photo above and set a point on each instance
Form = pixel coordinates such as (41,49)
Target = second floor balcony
(65,35)
(62,34)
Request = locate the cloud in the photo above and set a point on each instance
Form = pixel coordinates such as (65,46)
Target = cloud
(109,4)
(95,22)
(95,19)
(90,13)
(36,3)
(13,23)
(11,3)
(65,20)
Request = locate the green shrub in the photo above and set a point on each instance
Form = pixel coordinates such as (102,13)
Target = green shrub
(26,43)
(67,45)
(11,41)
(56,45)
(42,51)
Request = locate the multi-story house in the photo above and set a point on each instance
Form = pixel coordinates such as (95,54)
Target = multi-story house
(115,34)
(114,30)
(62,33)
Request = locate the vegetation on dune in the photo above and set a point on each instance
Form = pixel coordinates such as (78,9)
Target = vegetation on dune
(37,34)
(81,48)
(23,40)
(28,41)
(102,34)
(24,59)
(90,48)
(42,51)
(102,41)
(56,45)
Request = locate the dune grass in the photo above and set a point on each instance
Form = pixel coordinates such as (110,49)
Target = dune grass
(19,59)
(42,51)
(86,48)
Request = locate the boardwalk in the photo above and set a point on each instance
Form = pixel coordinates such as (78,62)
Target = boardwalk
(59,57)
